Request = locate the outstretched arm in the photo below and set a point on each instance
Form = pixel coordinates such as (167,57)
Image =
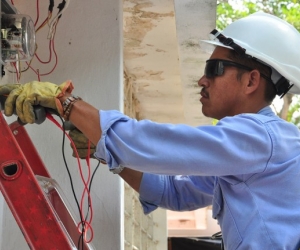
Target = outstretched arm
(86,118)
(132,177)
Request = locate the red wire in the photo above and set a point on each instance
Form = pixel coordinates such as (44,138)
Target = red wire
(87,224)
(50,55)
(51,47)
(88,163)
(37,12)
(38,75)
(17,72)
(35,71)
(83,195)
(56,60)
(51,44)
(43,23)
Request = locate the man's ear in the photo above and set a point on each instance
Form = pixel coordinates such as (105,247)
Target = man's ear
(253,81)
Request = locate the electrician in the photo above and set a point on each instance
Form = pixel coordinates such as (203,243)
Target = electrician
(247,166)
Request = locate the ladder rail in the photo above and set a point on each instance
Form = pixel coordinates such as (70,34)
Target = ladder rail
(45,223)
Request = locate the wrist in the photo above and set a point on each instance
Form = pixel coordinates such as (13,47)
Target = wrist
(64,97)
(67,105)
(117,170)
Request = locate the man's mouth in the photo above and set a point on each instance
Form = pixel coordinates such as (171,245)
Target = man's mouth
(204,93)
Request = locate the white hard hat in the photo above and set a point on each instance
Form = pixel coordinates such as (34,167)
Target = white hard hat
(269,39)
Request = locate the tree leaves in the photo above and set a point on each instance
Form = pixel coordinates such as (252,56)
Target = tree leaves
(231,10)
(289,10)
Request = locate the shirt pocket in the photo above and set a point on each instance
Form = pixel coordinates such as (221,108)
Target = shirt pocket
(231,236)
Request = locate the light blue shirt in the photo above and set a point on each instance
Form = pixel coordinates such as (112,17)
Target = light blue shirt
(247,167)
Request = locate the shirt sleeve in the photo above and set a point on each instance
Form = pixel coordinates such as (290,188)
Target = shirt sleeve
(178,193)
(235,146)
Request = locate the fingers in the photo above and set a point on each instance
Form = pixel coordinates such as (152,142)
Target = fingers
(83,153)
(7,88)
(24,108)
(81,144)
(11,100)
(17,103)
(45,101)
(22,98)
(80,140)
(27,113)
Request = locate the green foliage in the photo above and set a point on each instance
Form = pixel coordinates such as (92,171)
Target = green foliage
(294,114)
(230,10)
(289,10)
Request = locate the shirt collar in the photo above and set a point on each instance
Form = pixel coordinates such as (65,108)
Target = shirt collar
(266,111)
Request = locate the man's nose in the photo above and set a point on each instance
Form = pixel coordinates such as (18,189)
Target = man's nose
(203,82)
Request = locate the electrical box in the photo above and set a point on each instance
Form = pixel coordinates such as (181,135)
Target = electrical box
(17,35)
(7,7)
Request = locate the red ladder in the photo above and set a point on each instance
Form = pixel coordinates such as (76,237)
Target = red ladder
(36,204)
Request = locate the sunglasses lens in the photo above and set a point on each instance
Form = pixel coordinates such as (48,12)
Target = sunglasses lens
(211,69)
(214,68)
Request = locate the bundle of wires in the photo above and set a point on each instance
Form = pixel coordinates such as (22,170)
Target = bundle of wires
(84,226)
(52,24)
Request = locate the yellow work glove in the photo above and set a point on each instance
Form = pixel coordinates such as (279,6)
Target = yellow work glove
(22,98)
(7,88)
(81,144)
(4,91)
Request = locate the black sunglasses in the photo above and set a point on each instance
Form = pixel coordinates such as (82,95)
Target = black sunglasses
(215,67)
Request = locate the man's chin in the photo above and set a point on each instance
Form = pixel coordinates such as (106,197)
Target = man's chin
(208,114)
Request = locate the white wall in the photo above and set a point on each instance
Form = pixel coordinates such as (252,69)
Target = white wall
(89,47)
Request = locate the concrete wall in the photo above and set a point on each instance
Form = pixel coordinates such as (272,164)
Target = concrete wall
(88,43)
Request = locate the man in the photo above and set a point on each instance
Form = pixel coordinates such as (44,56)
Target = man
(247,166)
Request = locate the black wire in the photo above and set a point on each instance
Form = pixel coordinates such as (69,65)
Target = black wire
(69,174)
(60,7)
(51,5)
(80,240)
(90,187)
(89,204)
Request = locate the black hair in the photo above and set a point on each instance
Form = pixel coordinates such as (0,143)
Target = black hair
(270,91)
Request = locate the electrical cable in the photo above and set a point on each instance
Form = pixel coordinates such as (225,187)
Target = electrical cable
(80,240)
(51,5)
(50,55)
(52,29)
(44,22)
(85,225)
(65,161)
(37,13)
(62,7)
(56,60)
(14,64)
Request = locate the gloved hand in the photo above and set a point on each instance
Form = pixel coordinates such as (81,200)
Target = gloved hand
(7,88)
(81,144)
(4,91)
(22,97)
